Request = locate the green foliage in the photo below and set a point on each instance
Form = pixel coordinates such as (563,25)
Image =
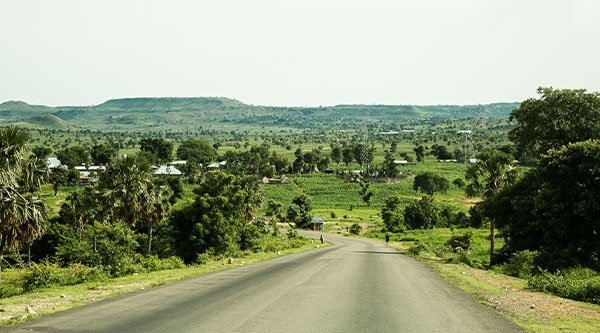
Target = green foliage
(441,152)
(554,208)
(101,154)
(73,156)
(422,214)
(196,151)
(579,284)
(557,118)
(522,264)
(420,152)
(392,214)
(299,211)
(158,147)
(429,183)
(492,171)
(41,151)
(47,274)
(99,244)
(459,182)
(355,229)
(366,193)
(217,219)
(389,168)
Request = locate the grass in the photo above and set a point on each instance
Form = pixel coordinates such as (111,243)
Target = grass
(53,299)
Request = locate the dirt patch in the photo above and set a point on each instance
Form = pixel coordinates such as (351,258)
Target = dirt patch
(517,302)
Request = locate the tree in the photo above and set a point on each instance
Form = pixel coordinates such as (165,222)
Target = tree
(492,172)
(298,165)
(125,187)
(441,152)
(336,155)
(420,152)
(556,118)
(363,154)
(41,152)
(389,167)
(392,214)
(73,156)
(366,193)
(422,214)
(196,150)
(22,217)
(347,155)
(299,211)
(429,183)
(554,208)
(216,220)
(155,209)
(159,147)
(102,154)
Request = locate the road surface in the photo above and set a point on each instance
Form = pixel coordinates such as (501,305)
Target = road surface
(354,286)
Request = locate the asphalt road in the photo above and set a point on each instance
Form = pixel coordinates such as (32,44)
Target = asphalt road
(354,286)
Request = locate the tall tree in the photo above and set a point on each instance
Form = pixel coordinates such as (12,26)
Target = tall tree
(420,152)
(556,118)
(125,185)
(102,154)
(22,217)
(336,155)
(196,150)
(74,156)
(160,147)
(429,182)
(492,172)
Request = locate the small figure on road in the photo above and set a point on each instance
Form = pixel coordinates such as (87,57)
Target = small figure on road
(387,239)
(322,241)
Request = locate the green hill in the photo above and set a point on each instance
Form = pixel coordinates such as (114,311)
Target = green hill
(47,121)
(178,114)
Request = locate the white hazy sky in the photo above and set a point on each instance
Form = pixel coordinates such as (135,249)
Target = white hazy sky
(297,53)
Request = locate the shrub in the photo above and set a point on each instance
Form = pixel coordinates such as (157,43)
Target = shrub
(521,264)
(463,241)
(333,215)
(355,229)
(9,289)
(78,273)
(41,275)
(459,182)
(581,284)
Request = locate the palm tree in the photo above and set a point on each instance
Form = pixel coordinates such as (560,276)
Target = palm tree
(22,219)
(34,223)
(492,172)
(125,188)
(155,209)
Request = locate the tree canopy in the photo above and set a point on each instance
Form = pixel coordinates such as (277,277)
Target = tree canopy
(556,118)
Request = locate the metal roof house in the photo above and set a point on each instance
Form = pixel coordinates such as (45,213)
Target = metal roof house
(167,170)
(316,224)
(52,162)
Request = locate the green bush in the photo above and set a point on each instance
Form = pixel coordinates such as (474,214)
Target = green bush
(8,290)
(521,264)
(78,273)
(418,248)
(41,275)
(153,263)
(355,229)
(580,284)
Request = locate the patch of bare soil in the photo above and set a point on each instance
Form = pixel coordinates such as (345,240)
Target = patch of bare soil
(523,303)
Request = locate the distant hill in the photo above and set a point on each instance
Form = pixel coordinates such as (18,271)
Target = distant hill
(178,114)
(47,121)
